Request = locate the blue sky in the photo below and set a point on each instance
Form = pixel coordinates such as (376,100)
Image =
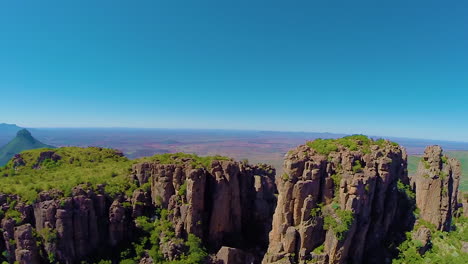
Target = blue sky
(394,68)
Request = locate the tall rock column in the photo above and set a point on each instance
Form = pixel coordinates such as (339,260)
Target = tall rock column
(225,203)
(338,202)
(436,185)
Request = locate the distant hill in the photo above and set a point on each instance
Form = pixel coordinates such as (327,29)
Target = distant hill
(7,132)
(23,141)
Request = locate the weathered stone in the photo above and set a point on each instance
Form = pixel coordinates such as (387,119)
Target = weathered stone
(326,184)
(26,250)
(436,186)
(423,234)
(228,255)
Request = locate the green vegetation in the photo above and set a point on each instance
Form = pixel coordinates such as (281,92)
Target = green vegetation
(426,164)
(183,189)
(336,182)
(22,141)
(14,214)
(338,220)
(285,177)
(316,211)
(319,250)
(88,167)
(353,143)
(446,246)
(444,159)
(462,156)
(162,230)
(357,167)
(180,158)
(406,190)
(323,146)
(49,235)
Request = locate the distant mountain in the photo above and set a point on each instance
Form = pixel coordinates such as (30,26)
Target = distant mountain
(9,127)
(23,141)
(7,132)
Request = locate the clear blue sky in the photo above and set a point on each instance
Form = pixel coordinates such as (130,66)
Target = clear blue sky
(395,68)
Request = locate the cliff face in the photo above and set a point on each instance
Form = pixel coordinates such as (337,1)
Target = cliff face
(339,207)
(64,229)
(229,204)
(436,187)
(340,201)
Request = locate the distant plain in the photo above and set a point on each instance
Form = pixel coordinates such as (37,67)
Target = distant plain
(255,146)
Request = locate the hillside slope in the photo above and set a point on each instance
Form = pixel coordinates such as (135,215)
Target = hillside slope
(23,141)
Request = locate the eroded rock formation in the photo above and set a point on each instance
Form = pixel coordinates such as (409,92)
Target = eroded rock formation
(228,204)
(347,201)
(341,207)
(436,186)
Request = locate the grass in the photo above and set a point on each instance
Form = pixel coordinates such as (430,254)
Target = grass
(180,158)
(89,166)
(462,156)
(353,143)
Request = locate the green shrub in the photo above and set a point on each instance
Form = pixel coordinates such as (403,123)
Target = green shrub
(15,215)
(446,247)
(319,250)
(316,211)
(405,190)
(357,167)
(353,143)
(336,182)
(339,221)
(444,159)
(49,235)
(443,175)
(323,146)
(182,189)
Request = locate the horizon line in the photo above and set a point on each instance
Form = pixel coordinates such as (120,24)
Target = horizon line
(245,130)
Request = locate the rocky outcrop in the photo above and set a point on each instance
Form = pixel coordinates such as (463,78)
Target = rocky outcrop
(340,207)
(227,255)
(225,204)
(423,235)
(69,228)
(436,186)
(26,250)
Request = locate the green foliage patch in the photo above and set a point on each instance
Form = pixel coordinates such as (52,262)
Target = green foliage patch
(88,167)
(338,220)
(161,230)
(353,143)
(76,166)
(446,246)
(181,158)
(406,190)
